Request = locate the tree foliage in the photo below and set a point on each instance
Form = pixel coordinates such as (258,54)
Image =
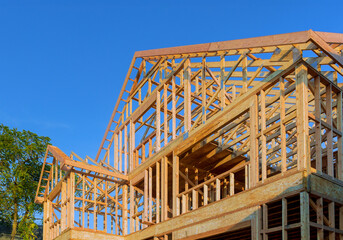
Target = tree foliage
(21,154)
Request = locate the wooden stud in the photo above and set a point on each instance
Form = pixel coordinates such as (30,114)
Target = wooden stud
(158,181)
(175,184)
(318,131)
(329,135)
(304,216)
(302,117)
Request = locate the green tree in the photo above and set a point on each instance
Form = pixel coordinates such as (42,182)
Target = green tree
(21,154)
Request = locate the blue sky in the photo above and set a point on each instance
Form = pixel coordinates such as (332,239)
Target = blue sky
(62,63)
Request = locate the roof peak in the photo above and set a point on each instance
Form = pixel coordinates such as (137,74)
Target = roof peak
(262,41)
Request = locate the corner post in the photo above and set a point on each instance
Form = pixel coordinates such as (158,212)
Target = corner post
(302,117)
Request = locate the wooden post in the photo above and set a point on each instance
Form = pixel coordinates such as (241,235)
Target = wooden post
(51,219)
(164,183)
(253,142)
(265,221)
(120,151)
(158,121)
(217,189)
(125,149)
(63,207)
(332,220)
(95,193)
(245,74)
(125,209)
(304,216)
(203,90)
(187,95)
(150,194)
(173,108)
(282,126)
(329,135)
(132,208)
(175,184)
(115,148)
(158,182)
(106,206)
(284,218)
(165,111)
(146,193)
(205,194)
(116,231)
(194,199)
(45,220)
(71,197)
(263,136)
(302,117)
(256,224)
(232,184)
(318,126)
(132,144)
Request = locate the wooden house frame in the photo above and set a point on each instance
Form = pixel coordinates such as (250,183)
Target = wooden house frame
(238,139)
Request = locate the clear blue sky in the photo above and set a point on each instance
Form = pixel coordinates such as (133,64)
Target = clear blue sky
(62,63)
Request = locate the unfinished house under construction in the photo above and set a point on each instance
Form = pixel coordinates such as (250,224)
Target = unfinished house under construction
(230,140)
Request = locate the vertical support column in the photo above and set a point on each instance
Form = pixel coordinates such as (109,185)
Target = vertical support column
(158,121)
(115,149)
(265,221)
(45,220)
(175,184)
(205,194)
(320,218)
(283,127)
(125,190)
(318,127)
(51,219)
(132,144)
(120,151)
(95,193)
(339,139)
(71,199)
(304,216)
(146,193)
(203,89)
(63,205)
(329,135)
(256,224)
(165,111)
(217,189)
(173,108)
(222,84)
(116,210)
(132,208)
(284,218)
(245,73)
(164,183)
(253,142)
(302,117)
(187,95)
(125,149)
(83,201)
(263,137)
(332,220)
(194,199)
(232,184)
(158,181)
(106,206)
(150,194)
